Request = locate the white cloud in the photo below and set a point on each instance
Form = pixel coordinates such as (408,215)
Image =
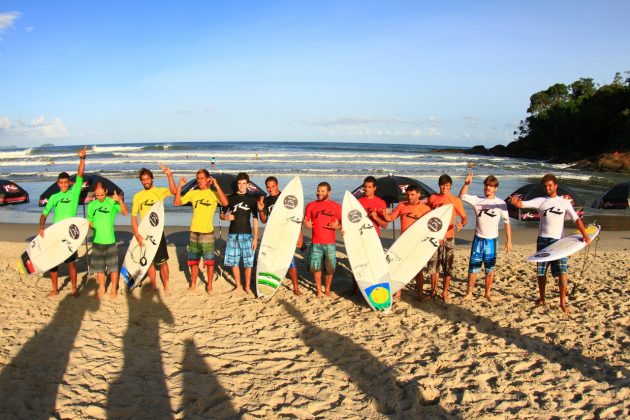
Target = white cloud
(8,19)
(37,129)
(471,122)
(358,120)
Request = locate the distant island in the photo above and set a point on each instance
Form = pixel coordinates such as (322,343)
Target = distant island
(581,123)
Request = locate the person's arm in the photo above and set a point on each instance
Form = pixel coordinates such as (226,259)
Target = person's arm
(169,175)
(379,220)
(134,226)
(260,203)
(177,201)
(459,209)
(222,198)
(120,201)
(393,215)
(467,182)
(255,228)
(42,224)
(582,229)
(508,237)
(82,153)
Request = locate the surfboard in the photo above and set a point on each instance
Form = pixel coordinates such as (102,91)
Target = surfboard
(138,258)
(415,247)
(60,241)
(365,254)
(279,239)
(565,246)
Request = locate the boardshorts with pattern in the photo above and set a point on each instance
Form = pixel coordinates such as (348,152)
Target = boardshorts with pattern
(201,245)
(104,258)
(239,245)
(558,267)
(443,258)
(483,250)
(322,257)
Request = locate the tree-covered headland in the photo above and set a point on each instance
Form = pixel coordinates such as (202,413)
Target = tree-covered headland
(581,121)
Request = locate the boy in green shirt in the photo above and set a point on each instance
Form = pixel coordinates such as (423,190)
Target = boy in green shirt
(101,213)
(64,205)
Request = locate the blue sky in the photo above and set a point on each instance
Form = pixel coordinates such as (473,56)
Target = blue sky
(424,72)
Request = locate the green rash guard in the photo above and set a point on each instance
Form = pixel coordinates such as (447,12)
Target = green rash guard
(66,203)
(102,215)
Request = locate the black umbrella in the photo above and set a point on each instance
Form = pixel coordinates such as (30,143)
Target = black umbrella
(87,190)
(534,190)
(392,188)
(617,197)
(12,193)
(228,185)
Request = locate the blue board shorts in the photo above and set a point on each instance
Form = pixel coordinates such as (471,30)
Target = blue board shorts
(483,251)
(322,257)
(558,267)
(239,245)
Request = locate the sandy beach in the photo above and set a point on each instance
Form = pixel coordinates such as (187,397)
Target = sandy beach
(146,355)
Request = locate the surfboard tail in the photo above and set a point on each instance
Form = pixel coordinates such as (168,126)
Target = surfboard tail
(25,265)
(267,284)
(379,296)
(130,282)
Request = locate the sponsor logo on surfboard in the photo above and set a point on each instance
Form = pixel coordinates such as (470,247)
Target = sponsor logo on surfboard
(290,202)
(73,231)
(154,219)
(542,254)
(434,224)
(354,216)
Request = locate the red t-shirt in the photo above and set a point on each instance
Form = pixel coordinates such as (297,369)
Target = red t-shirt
(371,204)
(321,213)
(437,200)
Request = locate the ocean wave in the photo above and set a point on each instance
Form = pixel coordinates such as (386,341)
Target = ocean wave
(112,149)
(9,154)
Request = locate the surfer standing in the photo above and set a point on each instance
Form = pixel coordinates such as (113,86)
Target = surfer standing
(265,206)
(101,213)
(552,210)
(142,202)
(323,216)
(64,205)
(445,254)
(409,212)
(201,243)
(241,243)
(489,211)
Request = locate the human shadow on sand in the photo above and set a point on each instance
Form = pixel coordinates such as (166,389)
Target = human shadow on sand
(30,382)
(370,375)
(567,358)
(140,391)
(202,394)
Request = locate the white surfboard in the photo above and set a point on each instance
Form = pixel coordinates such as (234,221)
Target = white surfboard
(565,246)
(60,241)
(138,258)
(365,254)
(414,248)
(278,242)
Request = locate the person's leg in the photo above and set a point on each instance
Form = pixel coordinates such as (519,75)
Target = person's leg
(151,275)
(489,278)
(236,273)
(317,276)
(294,280)
(330,262)
(489,261)
(419,286)
(194,258)
(471,286)
(245,246)
(72,272)
(164,273)
(114,286)
(209,274)
(194,272)
(100,277)
(54,283)
(248,279)
(563,280)
(542,282)
(474,265)
(329,279)
(448,259)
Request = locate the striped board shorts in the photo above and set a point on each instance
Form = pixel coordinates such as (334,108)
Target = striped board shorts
(443,258)
(201,245)
(483,251)
(558,267)
(104,258)
(322,257)
(239,245)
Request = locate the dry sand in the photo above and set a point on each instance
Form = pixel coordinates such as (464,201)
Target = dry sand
(145,355)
